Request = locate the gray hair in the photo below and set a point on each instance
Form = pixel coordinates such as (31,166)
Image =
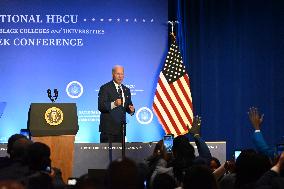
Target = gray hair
(116,66)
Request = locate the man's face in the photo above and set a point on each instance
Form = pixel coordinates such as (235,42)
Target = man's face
(118,75)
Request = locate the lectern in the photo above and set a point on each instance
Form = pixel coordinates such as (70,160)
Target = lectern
(56,125)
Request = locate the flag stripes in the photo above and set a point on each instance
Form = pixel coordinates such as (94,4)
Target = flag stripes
(172,101)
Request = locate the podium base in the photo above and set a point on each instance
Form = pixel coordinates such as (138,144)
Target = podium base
(62,152)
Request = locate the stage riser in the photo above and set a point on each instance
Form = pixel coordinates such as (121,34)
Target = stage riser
(97,156)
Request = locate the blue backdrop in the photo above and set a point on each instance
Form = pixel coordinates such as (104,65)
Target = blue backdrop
(72,46)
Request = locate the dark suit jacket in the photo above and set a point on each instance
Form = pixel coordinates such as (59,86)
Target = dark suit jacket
(111,119)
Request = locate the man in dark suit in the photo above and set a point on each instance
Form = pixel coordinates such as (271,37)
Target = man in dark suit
(113,103)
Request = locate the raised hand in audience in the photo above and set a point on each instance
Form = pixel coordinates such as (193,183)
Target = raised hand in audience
(195,129)
(255,118)
(225,168)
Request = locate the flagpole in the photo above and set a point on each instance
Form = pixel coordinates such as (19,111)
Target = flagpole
(172,23)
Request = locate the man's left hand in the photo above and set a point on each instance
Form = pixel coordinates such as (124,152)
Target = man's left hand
(132,109)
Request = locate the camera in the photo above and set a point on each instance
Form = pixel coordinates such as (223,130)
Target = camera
(168,142)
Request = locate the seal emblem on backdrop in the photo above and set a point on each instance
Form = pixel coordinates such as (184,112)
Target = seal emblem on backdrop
(74,89)
(144,115)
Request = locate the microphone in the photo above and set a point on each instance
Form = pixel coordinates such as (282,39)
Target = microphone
(49,94)
(55,94)
(52,98)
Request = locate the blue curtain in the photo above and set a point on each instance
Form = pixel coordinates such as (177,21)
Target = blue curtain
(234,52)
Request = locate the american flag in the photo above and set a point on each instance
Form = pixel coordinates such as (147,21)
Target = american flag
(172,102)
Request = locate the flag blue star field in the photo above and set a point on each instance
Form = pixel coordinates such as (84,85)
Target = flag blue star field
(172,101)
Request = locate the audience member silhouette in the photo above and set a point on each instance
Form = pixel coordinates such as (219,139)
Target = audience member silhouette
(274,178)
(19,152)
(40,180)
(17,168)
(250,166)
(11,141)
(201,177)
(5,161)
(40,165)
(164,181)
(87,182)
(39,157)
(184,154)
(123,174)
(184,157)
(158,158)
